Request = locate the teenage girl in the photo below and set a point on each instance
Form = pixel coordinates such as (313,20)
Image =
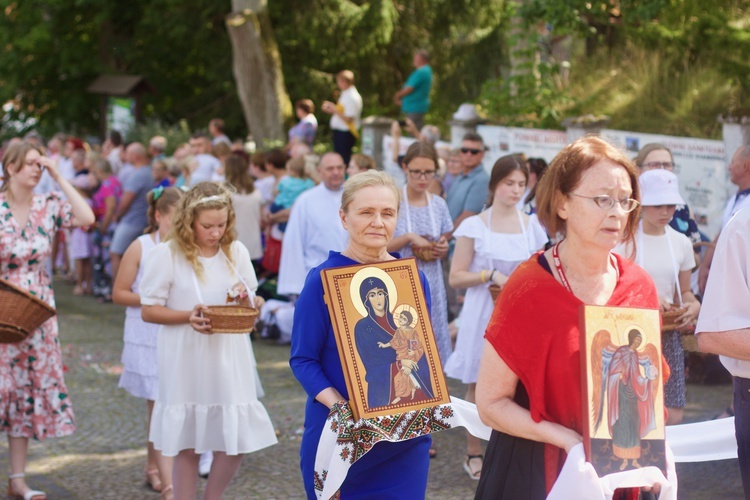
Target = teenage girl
(139,359)
(489,246)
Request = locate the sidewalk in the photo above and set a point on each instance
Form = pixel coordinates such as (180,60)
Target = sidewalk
(105,458)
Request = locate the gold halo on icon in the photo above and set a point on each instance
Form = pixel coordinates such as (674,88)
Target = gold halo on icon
(405,307)
(624,334)
(372,272)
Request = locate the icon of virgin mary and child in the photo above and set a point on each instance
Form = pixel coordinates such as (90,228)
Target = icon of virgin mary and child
(390,347)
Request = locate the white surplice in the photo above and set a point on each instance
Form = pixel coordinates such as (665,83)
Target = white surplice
(314,229)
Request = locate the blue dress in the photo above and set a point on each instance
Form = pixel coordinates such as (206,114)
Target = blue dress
(389,470)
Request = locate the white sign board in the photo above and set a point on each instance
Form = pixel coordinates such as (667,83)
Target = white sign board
(701,163)
(700,166)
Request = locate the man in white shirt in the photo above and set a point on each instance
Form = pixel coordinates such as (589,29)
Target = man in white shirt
(724,324)
(314,229)
(346,115)
(207,165)
(739,174)
(314,226)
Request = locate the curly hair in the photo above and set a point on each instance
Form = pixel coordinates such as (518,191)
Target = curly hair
(203,196)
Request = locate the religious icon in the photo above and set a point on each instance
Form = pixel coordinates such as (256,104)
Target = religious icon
(623,394)
(385,338)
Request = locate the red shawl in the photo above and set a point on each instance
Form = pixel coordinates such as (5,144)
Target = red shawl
(534,329)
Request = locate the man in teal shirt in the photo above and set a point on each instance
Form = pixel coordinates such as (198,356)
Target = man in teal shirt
(414,96)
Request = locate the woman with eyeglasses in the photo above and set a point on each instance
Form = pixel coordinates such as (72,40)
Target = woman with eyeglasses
(489,246)
(655,156)
(423,221)
(529,384)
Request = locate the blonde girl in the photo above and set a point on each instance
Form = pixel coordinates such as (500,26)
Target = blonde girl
(208,398)
(139,359)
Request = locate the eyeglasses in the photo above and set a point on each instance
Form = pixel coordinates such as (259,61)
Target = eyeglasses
(606,202)
(426,174)
(666,165)
(472,151)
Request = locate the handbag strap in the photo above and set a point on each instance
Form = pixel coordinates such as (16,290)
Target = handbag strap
(429,209)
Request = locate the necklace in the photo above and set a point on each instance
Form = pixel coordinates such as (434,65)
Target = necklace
(558,266)
(561,271)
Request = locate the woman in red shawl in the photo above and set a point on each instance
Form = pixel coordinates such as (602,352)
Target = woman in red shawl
(529,386)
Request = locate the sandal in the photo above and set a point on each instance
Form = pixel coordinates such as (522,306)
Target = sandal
(475,473)
(433,453)
(29,495)
(153,480)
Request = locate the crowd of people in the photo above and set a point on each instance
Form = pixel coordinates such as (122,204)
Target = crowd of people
(167,235)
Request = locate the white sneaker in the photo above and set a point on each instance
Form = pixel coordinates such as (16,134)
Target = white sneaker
(204,466)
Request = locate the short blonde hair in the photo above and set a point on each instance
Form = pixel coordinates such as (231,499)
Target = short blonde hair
(202,196)
(365,179)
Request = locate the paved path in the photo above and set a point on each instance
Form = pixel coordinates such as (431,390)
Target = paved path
(106,456)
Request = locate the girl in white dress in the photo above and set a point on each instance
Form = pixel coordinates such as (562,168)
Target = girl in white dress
(139,360)
(208,396)
(489,246)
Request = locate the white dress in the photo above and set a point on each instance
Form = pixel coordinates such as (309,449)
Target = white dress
(208,396)
(502,252)
(140,366)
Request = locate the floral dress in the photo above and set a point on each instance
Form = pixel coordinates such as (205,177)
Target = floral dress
(34,401)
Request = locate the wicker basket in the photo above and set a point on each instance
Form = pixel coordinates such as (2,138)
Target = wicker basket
(425,253)
(669,319)
(495,292)
(20,313)
(232,319)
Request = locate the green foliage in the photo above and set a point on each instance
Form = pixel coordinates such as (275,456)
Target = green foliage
(534,99)
(651,65)
(51,51)
(377,39)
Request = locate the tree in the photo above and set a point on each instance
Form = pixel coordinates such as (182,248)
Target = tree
(257,70)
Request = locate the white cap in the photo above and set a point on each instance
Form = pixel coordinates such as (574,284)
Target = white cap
(466,112)
(659,187)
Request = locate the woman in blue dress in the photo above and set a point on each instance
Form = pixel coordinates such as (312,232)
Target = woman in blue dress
(369,211)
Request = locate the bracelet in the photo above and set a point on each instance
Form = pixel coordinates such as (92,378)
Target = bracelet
(491,275)
(481,276)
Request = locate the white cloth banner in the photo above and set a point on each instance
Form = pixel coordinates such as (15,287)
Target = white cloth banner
(703,441)
(698,442)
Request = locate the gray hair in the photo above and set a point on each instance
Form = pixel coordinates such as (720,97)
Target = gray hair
(368,178)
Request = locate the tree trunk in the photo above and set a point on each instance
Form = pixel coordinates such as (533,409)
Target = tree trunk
(257,71)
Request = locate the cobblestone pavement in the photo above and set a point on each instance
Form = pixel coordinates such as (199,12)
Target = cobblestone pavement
(105,458)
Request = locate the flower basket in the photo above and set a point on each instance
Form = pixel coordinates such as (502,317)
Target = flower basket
(669,319)
(424,253)
(20,313)
(232,318)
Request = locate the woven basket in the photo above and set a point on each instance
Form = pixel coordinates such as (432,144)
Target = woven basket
(495,292)
(669,319)
(20,313)
(425,254)
(231,319)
